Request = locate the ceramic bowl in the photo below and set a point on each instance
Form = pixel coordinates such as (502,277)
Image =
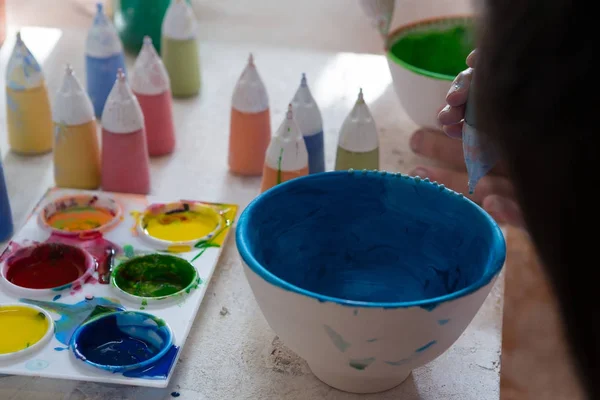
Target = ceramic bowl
(368,275)
(422,91)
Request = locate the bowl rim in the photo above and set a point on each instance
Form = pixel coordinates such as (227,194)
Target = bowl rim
(498,243)
(392,36)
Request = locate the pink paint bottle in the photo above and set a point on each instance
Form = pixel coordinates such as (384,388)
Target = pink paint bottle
(150,83)
(125,161)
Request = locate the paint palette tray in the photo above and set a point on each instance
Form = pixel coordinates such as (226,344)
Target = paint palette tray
(105,287)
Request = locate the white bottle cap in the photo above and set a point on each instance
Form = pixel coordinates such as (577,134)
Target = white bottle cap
(306,111)
(359,133)
(122,112)
(287,150)
(149,75)
(179,22)
(23,71)
(250,94)
(72,106)
(102,39)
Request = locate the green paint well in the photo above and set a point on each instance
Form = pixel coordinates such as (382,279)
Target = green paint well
(337,339)
(155,276)
(361,364)
(345,160)
(437,52)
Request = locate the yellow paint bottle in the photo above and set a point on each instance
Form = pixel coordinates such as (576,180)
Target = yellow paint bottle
(76,149)
(28,112)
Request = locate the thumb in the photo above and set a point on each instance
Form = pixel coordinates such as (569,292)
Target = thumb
(504,210)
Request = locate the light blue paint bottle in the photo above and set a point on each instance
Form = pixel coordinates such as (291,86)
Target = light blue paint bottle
(103,57)
(480,155)
(6,222)
(309,120)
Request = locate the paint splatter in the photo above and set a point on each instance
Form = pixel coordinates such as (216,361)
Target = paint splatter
(361,364)
(73,315)
(228,213)
(372,340)
(443,321)
(429,307)
(61,348)
(355,312)
(36,365)
(398,363)
(428,345)
(279,178)
(56,297)
(175,394)
(129,251)
(337,339)
(160,370)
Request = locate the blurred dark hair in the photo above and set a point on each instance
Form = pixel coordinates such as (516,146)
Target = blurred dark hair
(537,95)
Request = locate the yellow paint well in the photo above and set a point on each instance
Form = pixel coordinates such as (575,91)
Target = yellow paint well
(181,226)
(22,327)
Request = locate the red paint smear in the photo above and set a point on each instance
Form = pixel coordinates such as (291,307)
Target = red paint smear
(45,266)
(10,249)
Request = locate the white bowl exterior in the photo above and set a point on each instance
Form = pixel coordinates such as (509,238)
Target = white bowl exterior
(386,335)
(420,96)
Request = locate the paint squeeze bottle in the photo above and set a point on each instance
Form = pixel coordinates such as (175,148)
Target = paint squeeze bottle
(308,118)
(125,161)
(250,124)
(150,84)
(179,49)
(480,155)
(358,145)
(103,57)
(287,157)
(28,113)
(76,151)
(6,221)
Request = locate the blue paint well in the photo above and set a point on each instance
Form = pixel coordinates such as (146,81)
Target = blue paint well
(423,348)
(159,370)
(121,341)
(6,221)
(370,239)
(73,315)
(443,321)
(101,74)
(316,152)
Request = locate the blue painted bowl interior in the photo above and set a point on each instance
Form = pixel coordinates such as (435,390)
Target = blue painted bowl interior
(122,341)
(370,239)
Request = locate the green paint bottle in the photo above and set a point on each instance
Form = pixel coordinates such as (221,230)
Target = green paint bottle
(358,145)
(135,19)
(180,49)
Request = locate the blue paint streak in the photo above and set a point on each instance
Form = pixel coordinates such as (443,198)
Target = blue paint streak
(361,364)
(337,339)
(428,345)
(443,321)
(316,152)
(56,297)
(101,74)
(175,394)
(398,363)
(370,240)
(73,315)
(372,340)
(122,341)
(6,221)
(61,348)
(160,370)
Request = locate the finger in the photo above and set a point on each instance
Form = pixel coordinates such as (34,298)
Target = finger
(472,58)
(459,91)
(457,181)
(504,210)
(437,146)
(454,131)
(451,115)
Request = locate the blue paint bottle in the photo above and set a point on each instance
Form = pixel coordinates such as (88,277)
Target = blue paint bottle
(6,222)
(103,57)
(308,118)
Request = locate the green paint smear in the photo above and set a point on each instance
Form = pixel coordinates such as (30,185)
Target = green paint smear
(279,177)
(155,275)
(437,51)
(337,339)
(362,363)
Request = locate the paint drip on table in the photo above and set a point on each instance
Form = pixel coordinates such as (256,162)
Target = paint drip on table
(358,145)
(76,150)
(28,114)
(22,327)
(103,57)
(480,155)
(179,49)
(309,120)
(287,157)
(125,160)
(250,124)
(150,84)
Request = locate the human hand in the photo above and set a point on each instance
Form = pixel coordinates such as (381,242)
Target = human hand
(494,192)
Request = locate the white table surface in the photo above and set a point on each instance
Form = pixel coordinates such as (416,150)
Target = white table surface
(237,355)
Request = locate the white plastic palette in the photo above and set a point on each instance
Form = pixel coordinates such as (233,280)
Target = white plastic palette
(68,307)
